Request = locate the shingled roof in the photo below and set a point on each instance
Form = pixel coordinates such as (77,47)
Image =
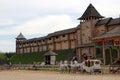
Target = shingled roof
(90,12)
(114,22)
(113,33)
(103,21)
(71,30)
(50,53)
(20,36)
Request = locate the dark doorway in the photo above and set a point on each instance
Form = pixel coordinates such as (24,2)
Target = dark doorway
(47,60)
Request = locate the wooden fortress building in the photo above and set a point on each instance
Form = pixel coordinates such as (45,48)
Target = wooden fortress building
(91,37)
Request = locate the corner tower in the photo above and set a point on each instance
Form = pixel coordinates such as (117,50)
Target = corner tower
(20,38)
(85,32)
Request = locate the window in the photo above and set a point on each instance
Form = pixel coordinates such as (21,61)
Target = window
(56,37)
(63,35)
(49,38)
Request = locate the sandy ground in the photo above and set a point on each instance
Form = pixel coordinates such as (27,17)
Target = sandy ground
(47,75)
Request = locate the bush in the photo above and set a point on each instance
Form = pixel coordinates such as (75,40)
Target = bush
(2,56)
(27,58)
(30,58)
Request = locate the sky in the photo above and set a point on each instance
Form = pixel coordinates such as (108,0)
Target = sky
(37,18)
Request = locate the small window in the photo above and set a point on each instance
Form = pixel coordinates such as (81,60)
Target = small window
(56,37)
(49,38)
(43,40)
(63,35)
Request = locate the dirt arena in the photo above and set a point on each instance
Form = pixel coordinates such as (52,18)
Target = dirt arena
(47,75)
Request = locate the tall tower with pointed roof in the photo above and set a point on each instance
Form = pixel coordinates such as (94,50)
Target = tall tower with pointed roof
(85,31)
(19,39)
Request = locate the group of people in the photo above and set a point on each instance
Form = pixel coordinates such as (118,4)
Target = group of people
(69,66)
(86,66)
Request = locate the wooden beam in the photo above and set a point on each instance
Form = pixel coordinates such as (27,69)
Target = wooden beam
(104,59)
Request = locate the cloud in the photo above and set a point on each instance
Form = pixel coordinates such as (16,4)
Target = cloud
(40,25)
(7,45)
(6,22)
(44,25)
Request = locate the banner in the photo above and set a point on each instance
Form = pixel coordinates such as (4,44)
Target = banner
(108,44)
(98,45)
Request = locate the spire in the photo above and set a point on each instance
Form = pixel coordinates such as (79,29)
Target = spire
(20,37)
(90,13)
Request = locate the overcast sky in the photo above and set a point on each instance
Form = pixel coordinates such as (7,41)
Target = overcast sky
(35,18)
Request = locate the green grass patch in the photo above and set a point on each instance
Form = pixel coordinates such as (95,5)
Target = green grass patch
(27,58)
(63,54)
(30,58)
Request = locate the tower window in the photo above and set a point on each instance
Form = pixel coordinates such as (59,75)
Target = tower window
(49,38)
(63,35)
(57,37)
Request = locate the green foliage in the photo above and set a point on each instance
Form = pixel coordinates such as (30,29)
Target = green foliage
(30,58)
(2,56)
(63,54)
(9,55)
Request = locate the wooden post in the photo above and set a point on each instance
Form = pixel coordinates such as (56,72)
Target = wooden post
(104,59)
